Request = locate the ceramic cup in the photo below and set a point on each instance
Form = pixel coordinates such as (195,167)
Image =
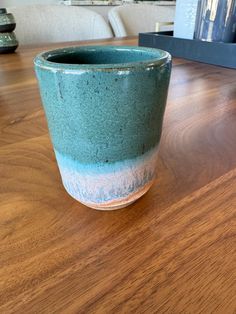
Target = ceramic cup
(7,21)
(8,42)
(104,106)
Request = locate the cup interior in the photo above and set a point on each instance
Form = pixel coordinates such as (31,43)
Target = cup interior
(106,55)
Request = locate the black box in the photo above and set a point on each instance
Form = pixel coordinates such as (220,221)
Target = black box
(223,54)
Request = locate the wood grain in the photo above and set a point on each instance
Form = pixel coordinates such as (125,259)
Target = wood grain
(173,251)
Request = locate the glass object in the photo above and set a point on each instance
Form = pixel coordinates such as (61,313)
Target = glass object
(216,20)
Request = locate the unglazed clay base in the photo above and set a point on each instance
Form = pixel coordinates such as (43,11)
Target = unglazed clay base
(113,205)
(108,186)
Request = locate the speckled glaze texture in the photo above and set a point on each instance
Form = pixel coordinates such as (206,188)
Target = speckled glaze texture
(105,107)
(8,40)
(6,18)
(7,21)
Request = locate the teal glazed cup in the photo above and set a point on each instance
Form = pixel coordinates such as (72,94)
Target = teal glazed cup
(105,106)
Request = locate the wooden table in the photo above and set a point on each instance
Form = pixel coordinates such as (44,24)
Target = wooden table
(173,251)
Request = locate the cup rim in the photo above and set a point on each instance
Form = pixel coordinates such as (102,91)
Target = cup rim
(159,57)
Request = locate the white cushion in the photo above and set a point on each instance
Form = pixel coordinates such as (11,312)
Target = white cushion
(127,20)
(57,23)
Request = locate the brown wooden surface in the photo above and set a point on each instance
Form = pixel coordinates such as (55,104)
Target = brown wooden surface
(173,251)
